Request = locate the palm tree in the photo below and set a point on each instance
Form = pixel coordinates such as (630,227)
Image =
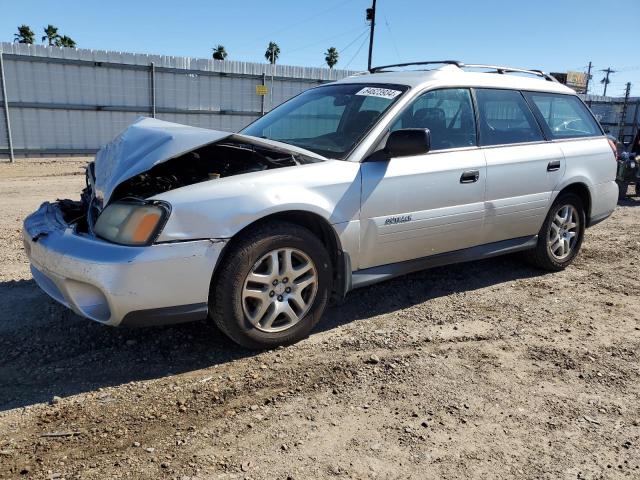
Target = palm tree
(331,57)
(51,35)
(65,41)
(272,53)
(219,52)
(24,35)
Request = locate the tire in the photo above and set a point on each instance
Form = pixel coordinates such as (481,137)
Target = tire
(237,303)
(622,190)
(637,189)
(555,257)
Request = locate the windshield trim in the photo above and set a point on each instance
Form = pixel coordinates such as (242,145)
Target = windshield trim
(344,156)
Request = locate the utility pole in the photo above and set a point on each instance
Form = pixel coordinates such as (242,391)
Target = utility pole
(634,127)
(371,17)
(586,87)
(623,117)
(605,80)
(5,100)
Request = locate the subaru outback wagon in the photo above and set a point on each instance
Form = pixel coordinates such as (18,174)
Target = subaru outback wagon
(345,185)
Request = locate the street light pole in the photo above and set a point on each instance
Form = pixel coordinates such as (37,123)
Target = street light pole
(371,16)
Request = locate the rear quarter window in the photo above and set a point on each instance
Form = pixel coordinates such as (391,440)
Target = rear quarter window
(563,116)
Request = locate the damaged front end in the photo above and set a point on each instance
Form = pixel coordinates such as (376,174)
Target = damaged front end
(83,253)
(152,157)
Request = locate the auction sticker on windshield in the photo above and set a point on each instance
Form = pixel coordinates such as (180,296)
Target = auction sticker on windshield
(379,92)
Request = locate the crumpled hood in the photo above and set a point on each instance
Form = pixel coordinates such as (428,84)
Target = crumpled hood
(149,142)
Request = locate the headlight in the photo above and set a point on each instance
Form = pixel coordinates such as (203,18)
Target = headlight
(132,223)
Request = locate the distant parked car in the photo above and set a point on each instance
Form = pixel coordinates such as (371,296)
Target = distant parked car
(345,185)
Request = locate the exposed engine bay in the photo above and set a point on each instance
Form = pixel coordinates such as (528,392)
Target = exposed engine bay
(210,162)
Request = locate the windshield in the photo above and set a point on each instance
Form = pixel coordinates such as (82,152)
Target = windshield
(328,120)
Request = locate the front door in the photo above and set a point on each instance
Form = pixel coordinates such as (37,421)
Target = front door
(427,204)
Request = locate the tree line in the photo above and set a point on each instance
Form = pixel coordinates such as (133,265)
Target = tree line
(273,53)
(53,38)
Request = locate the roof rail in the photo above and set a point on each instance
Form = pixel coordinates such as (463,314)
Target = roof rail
(410,64)
(502,70)
(461,65)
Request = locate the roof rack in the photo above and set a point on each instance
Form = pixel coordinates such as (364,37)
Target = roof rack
(502,70)
(410,64)
(461,65)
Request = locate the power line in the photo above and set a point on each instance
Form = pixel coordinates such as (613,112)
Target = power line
(344,49)
(393,40)
(324,40)
(355,39)
(357,52)
(295,24)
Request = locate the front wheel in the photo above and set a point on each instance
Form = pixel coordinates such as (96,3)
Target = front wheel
(272,287)
(560,237)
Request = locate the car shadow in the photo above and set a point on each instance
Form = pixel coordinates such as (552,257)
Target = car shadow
(49,351)
(408,290)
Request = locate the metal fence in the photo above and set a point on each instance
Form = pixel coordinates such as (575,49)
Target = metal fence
(610,111)
(63,101)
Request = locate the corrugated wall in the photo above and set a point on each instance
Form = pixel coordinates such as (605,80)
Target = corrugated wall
(65,101)
(608,111)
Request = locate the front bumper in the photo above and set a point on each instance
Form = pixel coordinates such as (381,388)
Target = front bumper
(114,284)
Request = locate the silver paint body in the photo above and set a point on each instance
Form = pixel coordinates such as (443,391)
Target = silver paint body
(514,191)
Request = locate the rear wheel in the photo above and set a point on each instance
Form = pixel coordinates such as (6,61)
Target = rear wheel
(273,286)
(560,237)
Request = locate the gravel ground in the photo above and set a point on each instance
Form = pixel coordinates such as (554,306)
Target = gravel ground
(484,370)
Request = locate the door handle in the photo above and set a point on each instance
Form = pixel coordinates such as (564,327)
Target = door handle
(553,166)
(470,176)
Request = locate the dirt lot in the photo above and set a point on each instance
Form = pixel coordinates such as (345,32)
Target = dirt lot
(484,370)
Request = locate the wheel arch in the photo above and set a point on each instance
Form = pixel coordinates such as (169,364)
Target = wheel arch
(581,190)
(319,226)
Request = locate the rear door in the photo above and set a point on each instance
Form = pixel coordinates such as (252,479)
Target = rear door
(422,205)
(523,168)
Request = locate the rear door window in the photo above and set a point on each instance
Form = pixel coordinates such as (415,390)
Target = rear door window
(564,116)
(505,118)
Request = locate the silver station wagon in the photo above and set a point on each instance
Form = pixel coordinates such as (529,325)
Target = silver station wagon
(344,185)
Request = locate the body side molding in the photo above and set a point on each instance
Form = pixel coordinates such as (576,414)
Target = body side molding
(368,276)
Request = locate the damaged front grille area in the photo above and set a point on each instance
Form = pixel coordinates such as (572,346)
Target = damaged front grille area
(210,162)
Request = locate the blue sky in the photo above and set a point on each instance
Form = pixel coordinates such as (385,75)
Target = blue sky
(555,35)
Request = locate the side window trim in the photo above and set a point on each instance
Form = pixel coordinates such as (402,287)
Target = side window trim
(476,115)
(542,125)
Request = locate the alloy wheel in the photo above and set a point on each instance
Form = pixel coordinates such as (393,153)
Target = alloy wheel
(563,232)
(279,289)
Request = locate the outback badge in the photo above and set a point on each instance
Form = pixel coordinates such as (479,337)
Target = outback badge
(398,219)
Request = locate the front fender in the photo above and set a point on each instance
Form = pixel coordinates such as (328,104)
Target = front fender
(222,207)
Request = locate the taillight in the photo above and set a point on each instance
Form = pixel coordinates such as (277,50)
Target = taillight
(613,146)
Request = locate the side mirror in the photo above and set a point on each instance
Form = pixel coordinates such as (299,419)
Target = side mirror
(408,141)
